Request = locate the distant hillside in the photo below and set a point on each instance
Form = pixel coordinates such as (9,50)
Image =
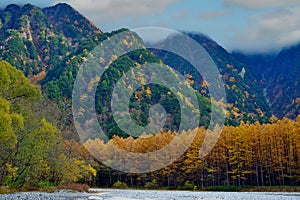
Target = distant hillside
(279,76)
(283,89)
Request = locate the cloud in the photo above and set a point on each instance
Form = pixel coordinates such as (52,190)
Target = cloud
(213,15)
(117,9)
(270,31)
(257,4)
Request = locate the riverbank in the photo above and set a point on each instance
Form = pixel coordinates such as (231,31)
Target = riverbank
(57,195)
(253,189)
(49,189)
(85,188)
(225,189)
(129,194)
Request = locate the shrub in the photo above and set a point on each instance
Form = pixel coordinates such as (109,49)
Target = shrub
(120,185)
(152,185)
(44,184)
(187,186)
(195,188)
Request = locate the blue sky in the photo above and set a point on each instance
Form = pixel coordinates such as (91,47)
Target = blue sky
(247,25)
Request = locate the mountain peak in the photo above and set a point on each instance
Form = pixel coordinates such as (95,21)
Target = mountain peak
(12,7)
(203,39)
(38,39)
(28,8)
(70,22)
(17,10)
(62,6)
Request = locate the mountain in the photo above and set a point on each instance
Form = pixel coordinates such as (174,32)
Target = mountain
(245,100)
(58,85)
(36,40)
(70,23)
(49,45)
(283,89)
(278,75)
(256,64)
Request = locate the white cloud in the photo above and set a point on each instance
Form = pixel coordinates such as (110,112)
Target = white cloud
(117,9)
(256,4)
(270,31)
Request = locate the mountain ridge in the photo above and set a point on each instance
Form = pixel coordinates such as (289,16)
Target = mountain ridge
(49,45)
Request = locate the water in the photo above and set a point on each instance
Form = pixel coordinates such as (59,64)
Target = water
(111,194)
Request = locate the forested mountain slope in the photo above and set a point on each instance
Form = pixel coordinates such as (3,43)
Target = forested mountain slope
(50,44)
(278,75)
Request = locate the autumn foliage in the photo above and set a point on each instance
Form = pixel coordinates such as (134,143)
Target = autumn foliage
(246,155)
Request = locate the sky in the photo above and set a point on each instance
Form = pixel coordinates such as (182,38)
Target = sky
(259,26)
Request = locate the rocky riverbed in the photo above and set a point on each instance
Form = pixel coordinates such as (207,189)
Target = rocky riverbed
(110,194)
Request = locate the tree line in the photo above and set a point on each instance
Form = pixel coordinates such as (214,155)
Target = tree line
(246,155)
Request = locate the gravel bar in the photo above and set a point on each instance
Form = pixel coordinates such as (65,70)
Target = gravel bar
(112,194)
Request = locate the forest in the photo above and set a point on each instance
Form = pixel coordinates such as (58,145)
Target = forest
(246,155)
(41,53)
(34,151)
